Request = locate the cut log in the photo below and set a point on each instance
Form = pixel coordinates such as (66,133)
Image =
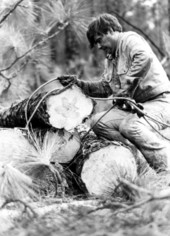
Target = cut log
(54,147)
(69,108)
(102,162)
(101,171)
(65,108)
(61,145)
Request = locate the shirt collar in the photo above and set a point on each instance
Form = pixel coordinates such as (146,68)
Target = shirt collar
(118,45)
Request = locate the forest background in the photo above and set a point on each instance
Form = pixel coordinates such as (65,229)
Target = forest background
(41,40)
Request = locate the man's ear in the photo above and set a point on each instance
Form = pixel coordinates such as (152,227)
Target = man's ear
(111,30)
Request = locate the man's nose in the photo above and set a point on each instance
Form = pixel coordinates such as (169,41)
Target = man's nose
(99,46)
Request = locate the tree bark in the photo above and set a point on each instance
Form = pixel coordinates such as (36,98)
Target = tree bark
(15,115)
(65,108)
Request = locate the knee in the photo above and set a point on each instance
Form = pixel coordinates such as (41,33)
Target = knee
(130,127)
(95,123)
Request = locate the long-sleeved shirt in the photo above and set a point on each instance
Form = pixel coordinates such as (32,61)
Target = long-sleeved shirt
(137,72)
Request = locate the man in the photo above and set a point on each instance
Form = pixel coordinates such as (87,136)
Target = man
(137,74)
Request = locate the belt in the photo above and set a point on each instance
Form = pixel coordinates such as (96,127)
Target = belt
(159,95)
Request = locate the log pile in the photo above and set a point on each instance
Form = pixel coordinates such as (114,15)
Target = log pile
(54,154)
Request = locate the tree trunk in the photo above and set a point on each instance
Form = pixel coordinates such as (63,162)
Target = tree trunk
(65,108)
(72,47)
(15,115)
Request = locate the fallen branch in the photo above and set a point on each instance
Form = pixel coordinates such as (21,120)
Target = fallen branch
(26,207)
(10,11)
(163,195)
(110,205)
(133,186)
(34,47)
(141,203)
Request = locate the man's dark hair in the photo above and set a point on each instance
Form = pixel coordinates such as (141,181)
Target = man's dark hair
(101,25)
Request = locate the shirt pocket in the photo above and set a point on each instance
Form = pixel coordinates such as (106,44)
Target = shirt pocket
(122,66)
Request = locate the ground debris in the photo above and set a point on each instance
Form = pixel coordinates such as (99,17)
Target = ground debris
(71,216)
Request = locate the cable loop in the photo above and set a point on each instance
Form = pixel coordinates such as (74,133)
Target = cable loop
(139,109)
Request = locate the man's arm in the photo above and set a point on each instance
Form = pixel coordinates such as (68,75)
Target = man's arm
(140,57)
(139,53)
(95,89)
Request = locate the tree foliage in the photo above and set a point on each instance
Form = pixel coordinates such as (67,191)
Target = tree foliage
(42,39)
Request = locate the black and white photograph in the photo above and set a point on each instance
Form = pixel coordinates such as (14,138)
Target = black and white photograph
(84,117)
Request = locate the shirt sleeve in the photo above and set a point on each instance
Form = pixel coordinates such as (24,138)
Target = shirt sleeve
(95,89)
(138,53)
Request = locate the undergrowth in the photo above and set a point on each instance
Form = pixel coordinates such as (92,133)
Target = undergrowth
(129,214)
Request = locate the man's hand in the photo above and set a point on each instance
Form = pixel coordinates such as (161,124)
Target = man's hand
(67,79)
(123,93)
(120,102)
(124,102)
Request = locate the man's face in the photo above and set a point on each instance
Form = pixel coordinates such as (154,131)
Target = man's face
(107,43)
